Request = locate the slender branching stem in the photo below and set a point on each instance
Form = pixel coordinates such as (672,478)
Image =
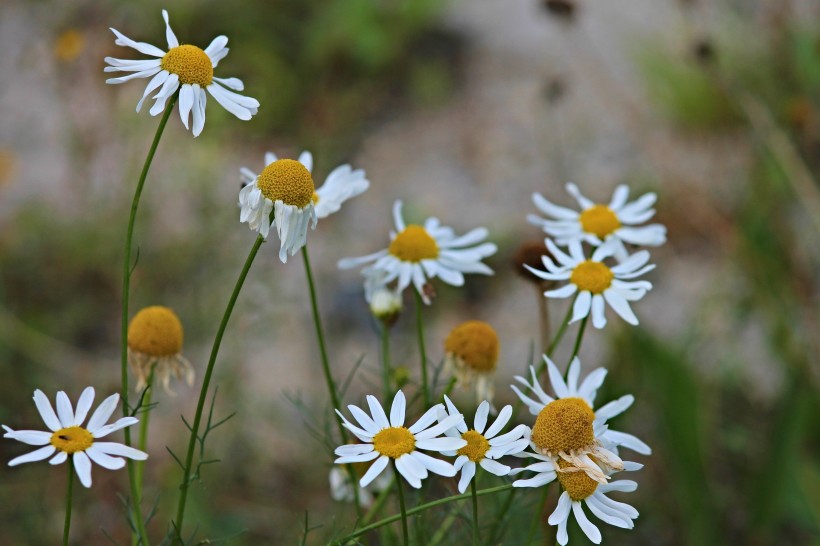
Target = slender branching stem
(402,507)
(68,499)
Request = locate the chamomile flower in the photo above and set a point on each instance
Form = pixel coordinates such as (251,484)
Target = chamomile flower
(68,438)
(596,282)
(597,223)
(471,355)
(285,188)
(385,440)
(483,446)
(568,432)
(186,68)
(155,337)
(341,488)
(341,184)
(419,253)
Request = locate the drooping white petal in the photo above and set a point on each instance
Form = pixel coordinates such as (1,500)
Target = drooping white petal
(121,450)
(82,467)
(37,455)
(589,529)
(373,472)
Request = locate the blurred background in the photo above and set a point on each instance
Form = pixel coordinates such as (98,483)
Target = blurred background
(462,109)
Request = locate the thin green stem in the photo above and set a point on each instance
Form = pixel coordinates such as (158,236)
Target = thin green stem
(403,508)
(68,500)
(578,340)
(425,385)
(450,385)
(475,512)
(331,386)
(126,288)
(419,509)
(144,420)
(203,393)
(387,369)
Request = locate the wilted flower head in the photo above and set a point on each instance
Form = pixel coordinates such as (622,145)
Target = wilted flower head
(471,353)
(155,337)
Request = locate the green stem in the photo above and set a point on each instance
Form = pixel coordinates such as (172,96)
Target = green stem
(144,419)
(475,512)
(450,385)
(68,500)
(420,327)
(203,393)
(403,508)
(419,509)
(386,367)
(578,340)
(331,386)
(126,288)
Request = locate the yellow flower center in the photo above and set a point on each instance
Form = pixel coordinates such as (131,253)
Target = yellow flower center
(477,446)
(592,276)
(414,244)
(190,63)
(315,198)
(564,425)
(288,181)
(476,343)
(599,220)
(394,442)
(577,484)
(72,439)
(155,331)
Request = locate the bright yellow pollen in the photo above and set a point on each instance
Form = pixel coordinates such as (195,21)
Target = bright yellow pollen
(315,198)
(288,181)
(564,425)
(592,276)
(394,442)
(599,220)
(577,484)
(190,63)
(155,331)
(477,446)
(414,244)
(72,439)
(476,343)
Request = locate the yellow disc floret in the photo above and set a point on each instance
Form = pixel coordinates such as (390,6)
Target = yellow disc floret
(394,442)
(155,331)
(414,244)
(190,63)
(477,446)
(315,198)
(564,425)
(599,220)
(288,181)
(577,484)
(592,276)
(72,439)
(475,343)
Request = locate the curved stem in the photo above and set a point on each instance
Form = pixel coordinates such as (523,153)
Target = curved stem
(578,340)
(68,501)
(425,385)
(331,386)
(419,509)
(475,512)
(203,393)
(126,287)
(404,532)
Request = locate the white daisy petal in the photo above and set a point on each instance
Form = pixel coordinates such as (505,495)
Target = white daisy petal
(102,413)
(83,406)
(64,410)
(589,529)
(375,469)
(121,450)
(467,474)
(500,422)
(581,307)
(120,423)
(60,458)
(436,466)
(103,459)
(397,410)
(30,437)
(82,467)
(169,34)
(377,412)
(561,512)
(481,416)
(494,467)
(37,455)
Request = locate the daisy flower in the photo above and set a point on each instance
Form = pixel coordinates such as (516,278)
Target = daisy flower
(284,188)
(483,446)
(69,438)
(471,354)
(580,489)
(385,440)
(596,223)
(418,253)
(596,282)
(186,68)
(568,432)
(155,337)
(341,488)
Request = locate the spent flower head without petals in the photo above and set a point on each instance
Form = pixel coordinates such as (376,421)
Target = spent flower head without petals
(389,440)
(471,352)
(597,223)
(155,337)
(68,438)
(285,188)
(418,253)
(484,445)
(186,68)
(595,282)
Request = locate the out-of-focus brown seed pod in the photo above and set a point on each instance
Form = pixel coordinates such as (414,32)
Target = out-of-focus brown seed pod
(703,51)
(529,253)
(565,10)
